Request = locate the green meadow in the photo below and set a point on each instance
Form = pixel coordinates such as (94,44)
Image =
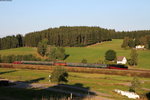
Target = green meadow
(92,53)
(19,51)
(101,83)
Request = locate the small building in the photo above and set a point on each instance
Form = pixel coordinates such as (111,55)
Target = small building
(121,60)
(140,47)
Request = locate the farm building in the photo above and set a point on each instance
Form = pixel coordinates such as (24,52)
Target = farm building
(121,60)
(140,47)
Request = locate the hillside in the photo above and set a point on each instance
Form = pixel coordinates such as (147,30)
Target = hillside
(92,53)
(70,36)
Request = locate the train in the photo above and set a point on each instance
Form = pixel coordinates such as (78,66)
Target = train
(85,65)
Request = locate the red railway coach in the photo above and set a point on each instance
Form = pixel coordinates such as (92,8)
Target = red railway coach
(60,64)
(17,62)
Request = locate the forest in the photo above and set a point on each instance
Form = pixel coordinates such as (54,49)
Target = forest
(66,36)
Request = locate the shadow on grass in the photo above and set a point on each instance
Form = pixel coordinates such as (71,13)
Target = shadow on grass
(27,91)
(35,80)
(66,56)
(148,95)
(76,89)
(7,72)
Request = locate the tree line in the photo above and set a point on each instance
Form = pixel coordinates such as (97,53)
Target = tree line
(12,58)
(130,34)
(11,42)
(132,42)
(67,36)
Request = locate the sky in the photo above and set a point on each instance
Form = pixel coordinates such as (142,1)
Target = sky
(24,16)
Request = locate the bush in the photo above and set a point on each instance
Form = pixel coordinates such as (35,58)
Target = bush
(84,61)
(100,61)
(130,62)
(135,85)
(59,74)
(12,58)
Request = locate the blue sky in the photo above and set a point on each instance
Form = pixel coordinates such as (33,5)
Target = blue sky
(23,16)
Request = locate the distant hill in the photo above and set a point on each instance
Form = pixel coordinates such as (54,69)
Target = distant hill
(68,37)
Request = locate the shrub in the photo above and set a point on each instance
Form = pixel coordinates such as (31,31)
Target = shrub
(84,61)
(12,58)
(101,61)
(59,74)
(135,85)
(130,62)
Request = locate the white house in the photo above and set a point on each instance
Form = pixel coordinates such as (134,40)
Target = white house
(121,60)
(140,47)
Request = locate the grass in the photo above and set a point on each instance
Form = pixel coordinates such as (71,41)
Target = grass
(96,52)
(92,53)
(98,82)
(19,51)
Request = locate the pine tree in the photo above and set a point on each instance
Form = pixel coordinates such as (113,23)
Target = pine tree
(20,40)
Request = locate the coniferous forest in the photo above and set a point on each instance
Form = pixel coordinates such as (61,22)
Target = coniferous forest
(68,36)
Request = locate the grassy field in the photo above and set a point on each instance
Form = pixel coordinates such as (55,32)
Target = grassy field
(97,82)
(92,53)
(19,51)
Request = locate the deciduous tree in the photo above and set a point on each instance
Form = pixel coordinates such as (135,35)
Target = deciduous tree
(42,47)
(134,57)
(110,55)
(56,53)
(125,42)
